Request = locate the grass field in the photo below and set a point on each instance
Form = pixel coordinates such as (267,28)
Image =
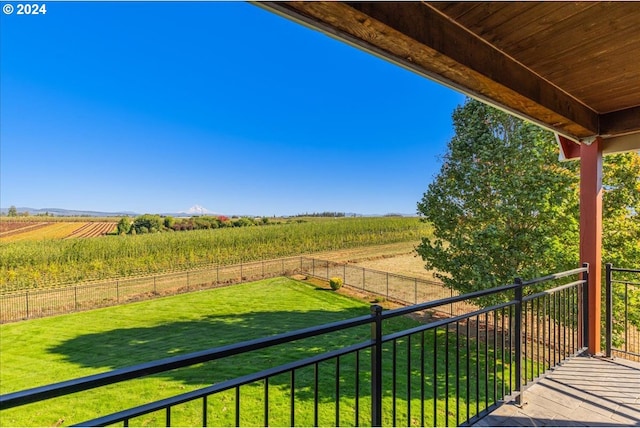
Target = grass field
(43,351)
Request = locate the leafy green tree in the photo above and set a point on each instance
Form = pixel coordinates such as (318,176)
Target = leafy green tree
(169,222)
(124,225)
(147,223)
(13,211)
(503,205)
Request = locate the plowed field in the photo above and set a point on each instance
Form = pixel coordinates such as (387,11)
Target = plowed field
(8,228)
(36,231)
(93,229)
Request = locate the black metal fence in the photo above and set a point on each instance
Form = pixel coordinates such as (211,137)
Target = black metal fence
(16,306)
(622,328)
(446,372)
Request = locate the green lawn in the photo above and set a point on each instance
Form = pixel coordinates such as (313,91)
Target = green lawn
(43,351)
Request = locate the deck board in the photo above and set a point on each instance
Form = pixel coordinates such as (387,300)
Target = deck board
(584,391)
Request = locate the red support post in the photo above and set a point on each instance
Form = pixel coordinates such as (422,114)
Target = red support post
(591,233)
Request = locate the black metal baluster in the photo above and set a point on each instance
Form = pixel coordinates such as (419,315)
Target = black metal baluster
(394,363)
(502,333)
(204,411)
(495,352)
(266,402)
(422,338)
(626,317)
(357,392)
(525,307)
(435,377)
(457,373)
(538,337)
(409,380)
(468,364)
(337,390)
(292,417)
(237,406)
(315,394)
(486,360)
(477,364)
(446,376)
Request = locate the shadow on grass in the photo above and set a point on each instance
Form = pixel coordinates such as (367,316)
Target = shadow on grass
(130,346)
(125,347)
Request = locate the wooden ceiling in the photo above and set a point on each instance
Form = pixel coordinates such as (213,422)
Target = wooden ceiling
(572,67)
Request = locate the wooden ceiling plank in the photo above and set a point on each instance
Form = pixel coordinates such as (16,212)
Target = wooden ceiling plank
(432,30)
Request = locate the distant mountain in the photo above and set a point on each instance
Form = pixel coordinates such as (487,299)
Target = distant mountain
(61,212)
(197,210)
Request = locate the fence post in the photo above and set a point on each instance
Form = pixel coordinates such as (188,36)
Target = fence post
(241,271)
(344,273)
(118,291)
(518,339)
(585,306)
(376,366)
(387,285)
(313,267)
(26,295)
(609,310)
(262,268)
(154,285)
(363,279)
(75,297)
(187,280)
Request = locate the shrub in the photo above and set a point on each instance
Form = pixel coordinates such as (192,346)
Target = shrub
(335,283)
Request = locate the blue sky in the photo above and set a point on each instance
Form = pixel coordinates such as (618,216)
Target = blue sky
(158,106)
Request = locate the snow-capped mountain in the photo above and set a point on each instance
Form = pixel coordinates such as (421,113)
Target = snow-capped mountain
(198,210)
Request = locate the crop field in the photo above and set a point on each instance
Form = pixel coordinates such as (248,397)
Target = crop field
(45,263)
(92,230)
(43,351)
(37,231)
(9,228)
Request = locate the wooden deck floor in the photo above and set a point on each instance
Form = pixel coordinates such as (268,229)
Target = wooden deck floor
(584,391)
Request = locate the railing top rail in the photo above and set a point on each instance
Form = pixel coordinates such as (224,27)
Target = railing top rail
(616,269)
(553,276)
(481,293)
(446,321)
(553,290)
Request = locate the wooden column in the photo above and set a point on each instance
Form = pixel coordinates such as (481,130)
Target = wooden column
(591,232)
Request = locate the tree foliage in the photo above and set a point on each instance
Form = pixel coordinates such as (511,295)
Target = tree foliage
(503,205)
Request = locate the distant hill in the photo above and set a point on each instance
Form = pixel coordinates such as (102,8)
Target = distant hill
(61,212)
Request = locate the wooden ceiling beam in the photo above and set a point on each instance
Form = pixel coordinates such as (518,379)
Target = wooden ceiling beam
(422,39)
(620,122)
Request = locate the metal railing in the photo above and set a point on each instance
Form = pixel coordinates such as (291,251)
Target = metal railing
(622,307)
(450,371)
